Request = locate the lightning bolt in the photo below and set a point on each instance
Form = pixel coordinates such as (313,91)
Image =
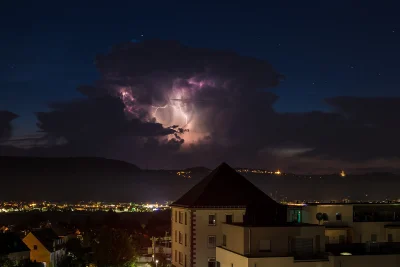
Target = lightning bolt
(176,107)
(157,108)
(184,115)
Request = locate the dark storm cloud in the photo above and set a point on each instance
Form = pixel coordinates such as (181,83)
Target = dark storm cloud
(377,111)
(152,67)
(366,129)
(222,87)
(95,119)
(228,107)
(5,124)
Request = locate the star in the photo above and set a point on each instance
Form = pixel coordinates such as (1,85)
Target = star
(141,35)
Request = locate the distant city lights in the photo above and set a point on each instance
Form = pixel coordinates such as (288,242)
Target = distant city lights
(90,206)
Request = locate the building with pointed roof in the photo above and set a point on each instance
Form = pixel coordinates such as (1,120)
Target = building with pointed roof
(46,246)
(224,196)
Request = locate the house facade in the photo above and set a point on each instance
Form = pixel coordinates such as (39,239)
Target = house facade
(353,222)
(45,246)
(199,215)
(291,245)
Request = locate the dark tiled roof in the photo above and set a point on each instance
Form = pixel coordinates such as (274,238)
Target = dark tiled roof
(46,236)
(224,187)
(11,243)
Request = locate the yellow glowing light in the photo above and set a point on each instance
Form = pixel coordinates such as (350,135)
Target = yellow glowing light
(278,172)
(342,173)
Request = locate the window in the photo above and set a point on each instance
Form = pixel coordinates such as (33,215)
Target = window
(180,238)
(180,258)
(176,255)
(326,239)
(211,242)
(176,236)
(211,219)
(224,240)
(265,245)
(34,247)
(180,217)
(185,261)
(342,239)
(185,239)
(374,238)
(390,238)
(338,216)
(211,262)
(229,218)
(176,216)
(185,218)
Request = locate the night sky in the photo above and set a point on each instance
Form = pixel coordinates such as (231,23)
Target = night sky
(309,86)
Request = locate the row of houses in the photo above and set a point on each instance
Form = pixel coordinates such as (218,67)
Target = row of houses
(227,221)
(41,246)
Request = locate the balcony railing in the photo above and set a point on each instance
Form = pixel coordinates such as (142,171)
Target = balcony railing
(364,248)
(323,256)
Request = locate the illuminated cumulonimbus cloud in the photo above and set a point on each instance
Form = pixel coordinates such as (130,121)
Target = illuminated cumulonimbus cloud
(172,84)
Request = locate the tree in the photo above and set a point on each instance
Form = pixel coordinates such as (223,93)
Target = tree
(111,219)
(6,262)
(162,259)
(74,246)
(114,247)
(319,217)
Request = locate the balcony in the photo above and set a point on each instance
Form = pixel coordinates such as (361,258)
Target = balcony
(372,248)
(336,225)
(323,256)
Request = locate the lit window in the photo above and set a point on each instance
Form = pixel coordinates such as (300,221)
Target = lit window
(211,241)
(211,219)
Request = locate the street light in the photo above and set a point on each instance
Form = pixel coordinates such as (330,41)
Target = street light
(156,262)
